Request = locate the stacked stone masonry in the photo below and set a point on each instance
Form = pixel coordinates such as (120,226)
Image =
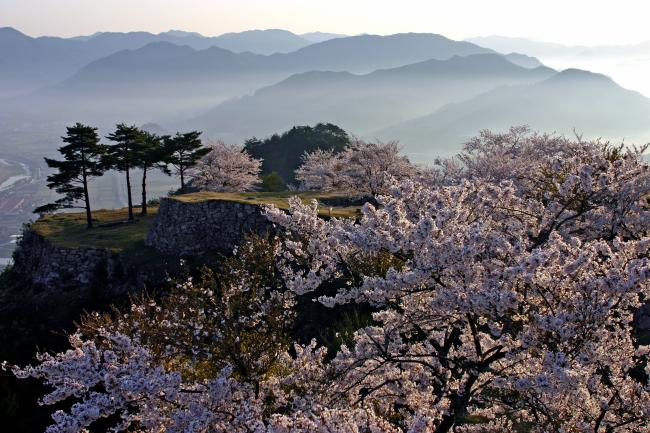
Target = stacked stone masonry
(193,228)
(56,268)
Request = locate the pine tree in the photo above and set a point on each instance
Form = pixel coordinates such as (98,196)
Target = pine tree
(124,155)
(82,159)
(152,155)
(184,151)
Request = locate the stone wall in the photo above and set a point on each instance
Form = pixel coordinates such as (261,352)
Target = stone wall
(49,287)
(193,228)
(55,268)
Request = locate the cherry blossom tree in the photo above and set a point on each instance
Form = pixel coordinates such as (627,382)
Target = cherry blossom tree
(508,303)
(227,168)
(321,170)
(361,166)
(372,167)
(503,301)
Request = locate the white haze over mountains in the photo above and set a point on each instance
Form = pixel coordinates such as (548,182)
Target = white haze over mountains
(628,65)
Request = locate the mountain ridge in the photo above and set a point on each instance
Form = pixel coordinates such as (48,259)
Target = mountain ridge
(358,101)
(571,100)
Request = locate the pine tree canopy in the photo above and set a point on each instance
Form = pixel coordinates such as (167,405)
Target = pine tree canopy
(82,159)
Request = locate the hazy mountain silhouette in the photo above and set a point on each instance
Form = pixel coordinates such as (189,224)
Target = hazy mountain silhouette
(366,53)
(505,44)
(182,34)
(524,60)
(155,128)
(28,63)
(352,54)
(363,103)
(316,37)
(160,62)
(163,80)
(254,41)
(364,83)
(261,41)
(570,100)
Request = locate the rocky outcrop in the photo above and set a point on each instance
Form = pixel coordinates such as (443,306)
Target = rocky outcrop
(193,228)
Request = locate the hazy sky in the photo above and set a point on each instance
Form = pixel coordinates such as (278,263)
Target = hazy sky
(588,22)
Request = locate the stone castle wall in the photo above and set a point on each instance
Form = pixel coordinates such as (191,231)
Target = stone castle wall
(50,287)
(56,268)
(193,228)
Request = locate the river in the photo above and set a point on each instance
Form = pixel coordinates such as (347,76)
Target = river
(11,181)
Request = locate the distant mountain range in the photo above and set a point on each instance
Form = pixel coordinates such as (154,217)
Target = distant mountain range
(269,41)
(571,100)
(163,79)
(321,37)
(28,63)
(356,54)
(425,89)
(364,103)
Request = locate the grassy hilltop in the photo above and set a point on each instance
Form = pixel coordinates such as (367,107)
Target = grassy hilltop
(69,229)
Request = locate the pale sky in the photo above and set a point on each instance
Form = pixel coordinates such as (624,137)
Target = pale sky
(585,22)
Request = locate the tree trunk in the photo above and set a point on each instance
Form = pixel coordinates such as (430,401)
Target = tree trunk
(458,407)
(182,180)
(144,191)
(89,216)
(128,194)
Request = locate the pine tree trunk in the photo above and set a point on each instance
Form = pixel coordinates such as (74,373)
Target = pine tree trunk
(182,180)
(89,216)
(144,192)
(128,193)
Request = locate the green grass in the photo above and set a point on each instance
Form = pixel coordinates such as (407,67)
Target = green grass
(69,230)
(279,199)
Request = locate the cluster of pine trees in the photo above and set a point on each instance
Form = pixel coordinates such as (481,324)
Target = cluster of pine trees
(85,157)
(130,148)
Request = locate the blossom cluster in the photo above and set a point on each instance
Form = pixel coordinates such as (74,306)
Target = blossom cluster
(361,167)
(227,168)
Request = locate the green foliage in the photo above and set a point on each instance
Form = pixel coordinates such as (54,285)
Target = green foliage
(125,155)
(152,152)
(183,151)
(273,182)
(8,400)
(282,153)
(152,155)
(82,159)
(335,327)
